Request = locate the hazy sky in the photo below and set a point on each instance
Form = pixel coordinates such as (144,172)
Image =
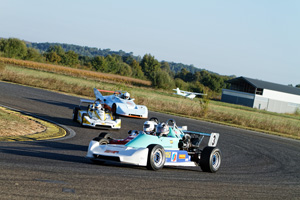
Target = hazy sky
(253,38)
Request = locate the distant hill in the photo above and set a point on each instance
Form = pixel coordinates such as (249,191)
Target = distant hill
(93,51)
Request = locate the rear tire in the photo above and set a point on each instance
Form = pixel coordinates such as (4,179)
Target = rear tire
(156,157)
(103,141)
(105,135)
(210,160)
(75,114)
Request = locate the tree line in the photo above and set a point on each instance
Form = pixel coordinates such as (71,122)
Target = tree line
(165,75)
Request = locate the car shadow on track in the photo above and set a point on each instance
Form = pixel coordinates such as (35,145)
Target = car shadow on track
(56,103)
(53,150)
(129,166)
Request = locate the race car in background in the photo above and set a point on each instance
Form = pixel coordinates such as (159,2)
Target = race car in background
(122,104)
(169,146)
(95,114)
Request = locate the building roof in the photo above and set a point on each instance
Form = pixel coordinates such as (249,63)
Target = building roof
(267,85)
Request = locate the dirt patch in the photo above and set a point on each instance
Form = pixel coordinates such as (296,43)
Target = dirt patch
(16,124)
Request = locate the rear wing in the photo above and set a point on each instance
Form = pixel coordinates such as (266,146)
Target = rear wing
(213,137)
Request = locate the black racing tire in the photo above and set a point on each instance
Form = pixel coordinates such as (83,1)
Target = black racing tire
(156,157)
(97,139)
(115,117)
(105,135)
(75,113)
(82,117)
(114,109)
(210,160)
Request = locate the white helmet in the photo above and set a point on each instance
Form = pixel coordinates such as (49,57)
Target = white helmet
(149,126)
(126,95)
(162,129)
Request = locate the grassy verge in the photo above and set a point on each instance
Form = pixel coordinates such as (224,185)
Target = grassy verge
(161,101)
(15,124)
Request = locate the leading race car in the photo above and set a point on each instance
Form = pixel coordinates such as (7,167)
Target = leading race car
(95,114)
(121,104)
(169,146)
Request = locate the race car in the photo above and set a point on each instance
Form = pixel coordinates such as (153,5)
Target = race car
(95,114)
(121,104)
(169,146)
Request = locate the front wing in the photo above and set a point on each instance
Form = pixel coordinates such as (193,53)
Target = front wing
(92,122)
(117,153)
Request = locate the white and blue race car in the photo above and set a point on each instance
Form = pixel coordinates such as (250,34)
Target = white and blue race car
(168,146)
(121,104)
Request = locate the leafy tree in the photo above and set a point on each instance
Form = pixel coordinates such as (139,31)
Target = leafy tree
(197,87)
(197,76)
(13,48)
(33,55)
(124,69)
(161,79)
(128,59)
(149,66)
(181,84)
(166,67)
(114,63)
(185,75)
(70,59)
(52,57)
(55,54)
(57,49)
(298,86)
(99,64)
(137,70)
(85,61)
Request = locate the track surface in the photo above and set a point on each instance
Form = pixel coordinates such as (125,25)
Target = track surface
(254,165)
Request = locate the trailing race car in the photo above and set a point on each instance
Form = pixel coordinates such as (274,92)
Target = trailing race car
(169,146)
(121,104)
(95,114)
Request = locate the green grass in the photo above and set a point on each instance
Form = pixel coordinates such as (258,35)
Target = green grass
(163,101)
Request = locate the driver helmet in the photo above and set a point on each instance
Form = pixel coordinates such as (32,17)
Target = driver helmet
(126,95)
(149,126)
(162,129)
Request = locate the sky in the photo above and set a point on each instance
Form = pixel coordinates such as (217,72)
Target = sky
(252,38)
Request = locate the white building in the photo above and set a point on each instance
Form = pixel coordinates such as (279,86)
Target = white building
(262,95)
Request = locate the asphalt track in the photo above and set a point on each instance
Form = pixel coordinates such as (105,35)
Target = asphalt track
(254,165)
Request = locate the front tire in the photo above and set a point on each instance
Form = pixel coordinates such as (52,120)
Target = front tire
(156,157)
(75,114)
(114,109)
(210,160)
